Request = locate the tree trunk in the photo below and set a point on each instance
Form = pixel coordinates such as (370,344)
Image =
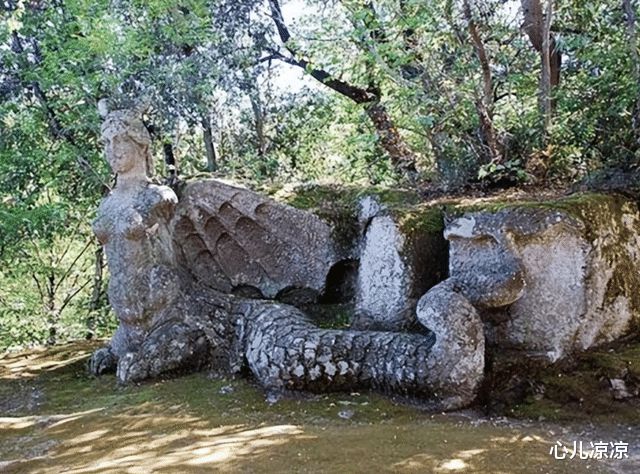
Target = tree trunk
(401,156)
(209,145)
(53,315)
(545,77)
(170,162)
(483,58)
(259,126)
(488,132)
(534,26)
(259,122)
(484,106)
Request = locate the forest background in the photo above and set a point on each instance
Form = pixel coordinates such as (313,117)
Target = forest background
(434,95)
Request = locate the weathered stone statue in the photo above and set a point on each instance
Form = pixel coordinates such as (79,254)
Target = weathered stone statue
(554,280)
(171,319)
(132,225)
(145,289)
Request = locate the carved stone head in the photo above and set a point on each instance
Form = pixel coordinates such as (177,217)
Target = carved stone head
(127,143)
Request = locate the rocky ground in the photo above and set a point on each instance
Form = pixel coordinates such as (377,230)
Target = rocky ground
(54,418)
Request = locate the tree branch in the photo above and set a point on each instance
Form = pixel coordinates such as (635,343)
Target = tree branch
(72,295)
(357,94)
(53,123)
(71,265)
(390,139)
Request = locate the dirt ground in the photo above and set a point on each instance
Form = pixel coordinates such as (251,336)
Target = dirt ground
(55,418)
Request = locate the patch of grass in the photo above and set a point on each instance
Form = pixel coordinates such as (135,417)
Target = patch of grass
(579,206)
(339,319)
(539,410)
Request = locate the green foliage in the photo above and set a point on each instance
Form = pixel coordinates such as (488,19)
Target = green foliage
(46,293)
(510,171)
(221,64)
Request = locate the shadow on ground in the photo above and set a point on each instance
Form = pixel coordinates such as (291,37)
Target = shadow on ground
(55,418)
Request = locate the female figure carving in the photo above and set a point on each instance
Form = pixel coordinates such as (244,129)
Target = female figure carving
(133,224)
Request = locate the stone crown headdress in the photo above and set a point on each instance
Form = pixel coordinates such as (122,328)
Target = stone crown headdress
(125,122)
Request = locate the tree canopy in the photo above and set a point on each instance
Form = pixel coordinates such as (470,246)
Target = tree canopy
(391,92)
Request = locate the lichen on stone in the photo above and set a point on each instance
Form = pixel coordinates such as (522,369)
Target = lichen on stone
(588,244)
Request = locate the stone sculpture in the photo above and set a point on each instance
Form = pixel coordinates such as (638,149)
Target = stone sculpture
(397,265)
(171,321)
(240,242)
(145,289)
(549,282)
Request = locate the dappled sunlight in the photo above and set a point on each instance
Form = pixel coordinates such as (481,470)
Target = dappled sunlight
(87,437)
(519,438)
(160,440)
(470,453)
(493,453)
(496,196)
(244,443)
(459,463)
(30,367)
(143,437)
(137,421)
(66,421)
(166,443)
(19,423)
(30,364)
(452,465)
(415,462)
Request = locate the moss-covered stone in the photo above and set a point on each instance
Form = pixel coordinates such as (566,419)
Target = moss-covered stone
(420,219)
(575,389)
(338,206)
(600,230)
(311,197)
(582,206)
(425,248)
(603,216)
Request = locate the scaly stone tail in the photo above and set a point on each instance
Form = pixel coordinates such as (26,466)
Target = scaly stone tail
(286,351)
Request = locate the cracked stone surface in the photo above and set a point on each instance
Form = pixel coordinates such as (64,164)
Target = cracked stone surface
(397,265)
(456,361)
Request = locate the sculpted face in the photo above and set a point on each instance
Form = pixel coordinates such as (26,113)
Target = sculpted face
(126,141)
(123,153)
